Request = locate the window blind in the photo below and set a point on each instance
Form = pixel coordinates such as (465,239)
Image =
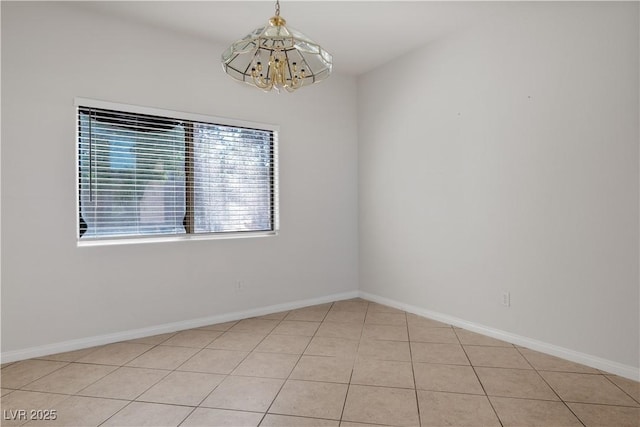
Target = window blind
(145,175)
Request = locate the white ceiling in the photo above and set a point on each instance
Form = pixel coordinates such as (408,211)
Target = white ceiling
(361,35)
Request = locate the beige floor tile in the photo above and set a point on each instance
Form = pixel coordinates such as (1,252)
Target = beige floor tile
(374,307)
(70,379)
(222,327)
(520,383)
(4,365)
(244,394)
(350,424)
(632,388)
(69,356)
(496,357)
(82,411)
(163,357)
(311,315)
(345,316)
(605,415)
(271,420)
(214,361)
(385,332)
(237,341)
(182,388)
(22,373)
(193,338)
(310,399)
(423,322)
(323,368)
(221,418)
(350,305)
(338,347)
(437,335)
(153,340)
(545,362)
(454,409)
(255,326)
(352,356)
(438,353)
(290,344)
(324,306)
(281,315)
(267,365)
(383,373)
(17,401)
(587,388)
(381,405)
(138,414)
(117,354)
(384,350)
(472,338)
(295,327)
(124,383)
(351,331)
(448,378)
(533,413)
(386,318)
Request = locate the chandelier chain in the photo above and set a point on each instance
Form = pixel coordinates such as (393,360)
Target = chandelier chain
(277,7)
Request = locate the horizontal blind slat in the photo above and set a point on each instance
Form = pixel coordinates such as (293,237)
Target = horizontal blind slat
(134,174)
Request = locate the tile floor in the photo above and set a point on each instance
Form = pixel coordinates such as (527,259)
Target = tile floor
(350,363)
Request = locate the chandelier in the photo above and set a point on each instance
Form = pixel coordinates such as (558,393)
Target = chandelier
(277,57)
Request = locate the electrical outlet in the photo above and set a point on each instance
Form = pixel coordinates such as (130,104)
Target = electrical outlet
(506,299)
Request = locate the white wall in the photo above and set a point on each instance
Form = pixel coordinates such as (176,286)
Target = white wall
(505,158)
(53,291)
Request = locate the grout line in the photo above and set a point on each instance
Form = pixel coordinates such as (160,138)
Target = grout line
(293,369)
(623,390)
(353,365)
(549,385)
(130,401)
(187,416)
(201,349)
(43,376)
(245,358)
(115,413)
(486,395)
(413,371)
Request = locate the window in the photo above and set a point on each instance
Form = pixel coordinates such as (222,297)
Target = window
(152,173)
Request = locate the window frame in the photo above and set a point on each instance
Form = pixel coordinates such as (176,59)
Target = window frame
(191,117)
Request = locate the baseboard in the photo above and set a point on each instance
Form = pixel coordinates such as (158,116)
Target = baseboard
(553,350)
(78,344)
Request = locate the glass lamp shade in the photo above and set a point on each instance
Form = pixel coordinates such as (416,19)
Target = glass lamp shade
(277,57)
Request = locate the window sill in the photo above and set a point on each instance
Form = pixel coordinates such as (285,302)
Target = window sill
(182,238)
